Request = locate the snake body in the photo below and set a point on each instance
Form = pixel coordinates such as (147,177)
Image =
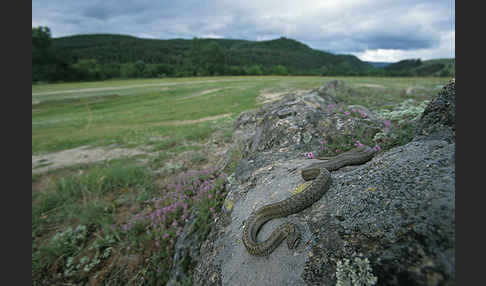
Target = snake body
(296,203)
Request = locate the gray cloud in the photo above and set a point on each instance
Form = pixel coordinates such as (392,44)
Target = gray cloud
(338,26)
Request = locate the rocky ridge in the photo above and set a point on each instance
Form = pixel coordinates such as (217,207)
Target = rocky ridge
(387,222)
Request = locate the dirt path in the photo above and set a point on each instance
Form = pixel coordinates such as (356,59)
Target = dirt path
(79,155)
(379,86)
(185,122)
(134,86)
(267,96)
(203,93)
(87,154)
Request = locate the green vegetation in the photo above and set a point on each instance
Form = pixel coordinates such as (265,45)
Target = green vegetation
(105,56)
(438,67)
(117,222)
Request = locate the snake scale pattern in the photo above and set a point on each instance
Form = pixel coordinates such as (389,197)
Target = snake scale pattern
(319,173)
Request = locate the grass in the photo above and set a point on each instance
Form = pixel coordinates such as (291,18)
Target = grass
(116,222)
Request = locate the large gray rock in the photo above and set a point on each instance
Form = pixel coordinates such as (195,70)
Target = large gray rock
(439,118)
(295,125)
(387,222)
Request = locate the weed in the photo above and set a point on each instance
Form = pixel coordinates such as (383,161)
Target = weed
(36,177)
(82,199)
(399,123)
(198,159)
(199,191)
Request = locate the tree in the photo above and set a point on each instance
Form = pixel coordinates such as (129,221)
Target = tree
(164,70)
(41,42)
(128,70)
(279,70)
(254,70)
(88,69)
(213,58)
(48,64)
(195,53)
(140,67)
(41,38)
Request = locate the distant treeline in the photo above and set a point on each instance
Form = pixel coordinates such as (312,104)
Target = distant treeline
(98,57)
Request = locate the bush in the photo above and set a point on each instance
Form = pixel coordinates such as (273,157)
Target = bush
(399,123)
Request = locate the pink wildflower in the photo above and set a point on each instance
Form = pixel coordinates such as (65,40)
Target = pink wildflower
(376,148)
(387,123)
(358,144)
(323,143)
(211,210)
(310,155)
(210,196)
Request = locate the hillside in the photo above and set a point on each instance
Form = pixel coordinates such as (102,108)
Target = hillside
(295,56)
(104,56)
(417,67)
(378,64)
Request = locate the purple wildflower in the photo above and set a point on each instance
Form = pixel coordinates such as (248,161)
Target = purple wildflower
(211,210)
(376,148)
(387,123)
(347,113)
(358,144)
(310,155)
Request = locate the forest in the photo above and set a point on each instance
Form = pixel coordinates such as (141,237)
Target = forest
(105,56)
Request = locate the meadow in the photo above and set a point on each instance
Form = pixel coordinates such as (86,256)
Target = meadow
(116,221)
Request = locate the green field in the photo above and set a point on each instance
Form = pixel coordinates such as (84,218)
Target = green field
(172,120)
(128,114)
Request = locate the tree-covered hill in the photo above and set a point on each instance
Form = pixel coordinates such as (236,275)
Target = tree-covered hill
(417,67)
(295,56)
(102,56)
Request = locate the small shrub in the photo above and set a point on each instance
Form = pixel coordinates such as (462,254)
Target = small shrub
(399,123)
(66,244)
(199,159)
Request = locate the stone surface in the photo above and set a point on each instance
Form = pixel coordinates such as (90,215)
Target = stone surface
(390,221)
(439,118)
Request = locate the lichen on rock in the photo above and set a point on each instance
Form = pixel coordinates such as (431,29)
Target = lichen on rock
(355,272)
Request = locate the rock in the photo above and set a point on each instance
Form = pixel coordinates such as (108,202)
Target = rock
(439,118)
(365,112)
(297,124)
(332,87)
(186,253)
(389,221)
(243,171)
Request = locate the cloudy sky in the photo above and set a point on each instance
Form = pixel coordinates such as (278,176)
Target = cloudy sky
(373,30)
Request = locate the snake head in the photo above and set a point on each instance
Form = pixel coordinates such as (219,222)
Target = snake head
(293,238)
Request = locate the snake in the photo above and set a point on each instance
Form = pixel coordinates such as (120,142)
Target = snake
(320,175)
